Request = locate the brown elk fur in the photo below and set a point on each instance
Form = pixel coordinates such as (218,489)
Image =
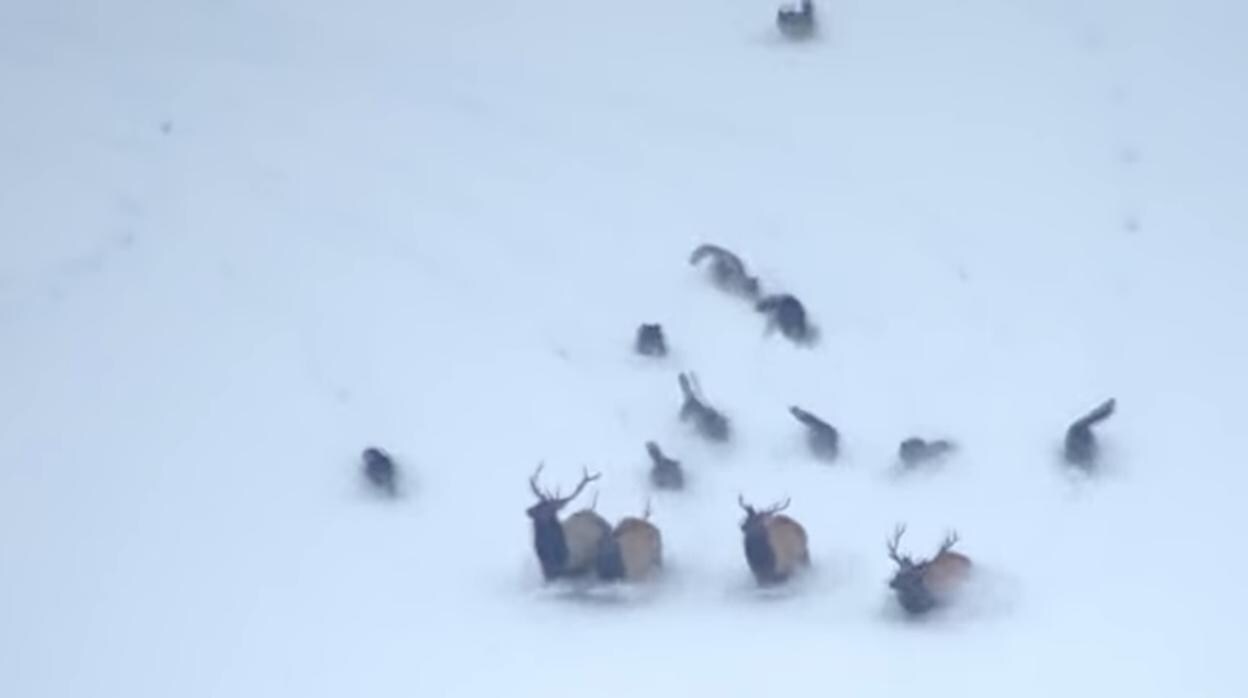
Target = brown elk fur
(583,532)
(788,539)
(634,553)
(946,573)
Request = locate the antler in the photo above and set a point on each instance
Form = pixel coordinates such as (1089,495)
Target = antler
(741,501)
(586,478)
(537,492)
(646,514)
(779,506)
(949,542)
(892,545)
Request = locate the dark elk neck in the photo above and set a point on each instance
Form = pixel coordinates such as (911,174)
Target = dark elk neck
(759,554)
(551,546)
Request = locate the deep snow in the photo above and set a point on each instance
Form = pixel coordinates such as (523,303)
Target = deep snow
(239,244)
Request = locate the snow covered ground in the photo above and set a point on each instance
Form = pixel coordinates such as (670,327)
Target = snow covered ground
(239,242)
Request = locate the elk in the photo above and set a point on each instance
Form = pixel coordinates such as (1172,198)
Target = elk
(665,473)
(1082,449)
(916,451)
(931,583)
(797,23)
(379,470)
(650,341)
(708,421)
(565,548)
(787,313)
(775,545)
(822,438)
(632,552)
(727,270)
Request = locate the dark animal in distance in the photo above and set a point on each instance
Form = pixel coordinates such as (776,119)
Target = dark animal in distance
(727,270)
(787,313)
(775,544)
(632,552)
(650,341)
(923,586)
(1081,447)
(380,470)
(566,548)
(709,422)
(797,23)
(665,473)
(916,451)
(822,438)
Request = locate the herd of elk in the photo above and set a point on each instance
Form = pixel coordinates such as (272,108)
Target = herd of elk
(928,584)
(775,544)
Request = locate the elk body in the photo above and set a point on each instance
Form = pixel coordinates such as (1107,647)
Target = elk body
(566,548)
(665,472)
(928,584)
(775,544)
(915,451)
(727,270)
(786,312)
(650,341)
(708,421)
(632,552)
(379,470)
(822,438)
(1081,448)
(797,23)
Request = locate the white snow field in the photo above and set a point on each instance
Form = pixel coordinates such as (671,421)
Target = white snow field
(240,242)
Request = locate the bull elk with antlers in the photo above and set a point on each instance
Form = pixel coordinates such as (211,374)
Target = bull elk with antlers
(632,552)
(775,544)
(569,547)
(928,584)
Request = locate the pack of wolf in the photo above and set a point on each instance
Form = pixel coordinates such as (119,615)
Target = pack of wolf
(585,547)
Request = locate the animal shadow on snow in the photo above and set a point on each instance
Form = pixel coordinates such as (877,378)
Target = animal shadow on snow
(1080,482)
(769,36)
(595,593)
(824,575)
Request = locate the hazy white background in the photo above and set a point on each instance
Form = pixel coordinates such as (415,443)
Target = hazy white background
(241,241)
